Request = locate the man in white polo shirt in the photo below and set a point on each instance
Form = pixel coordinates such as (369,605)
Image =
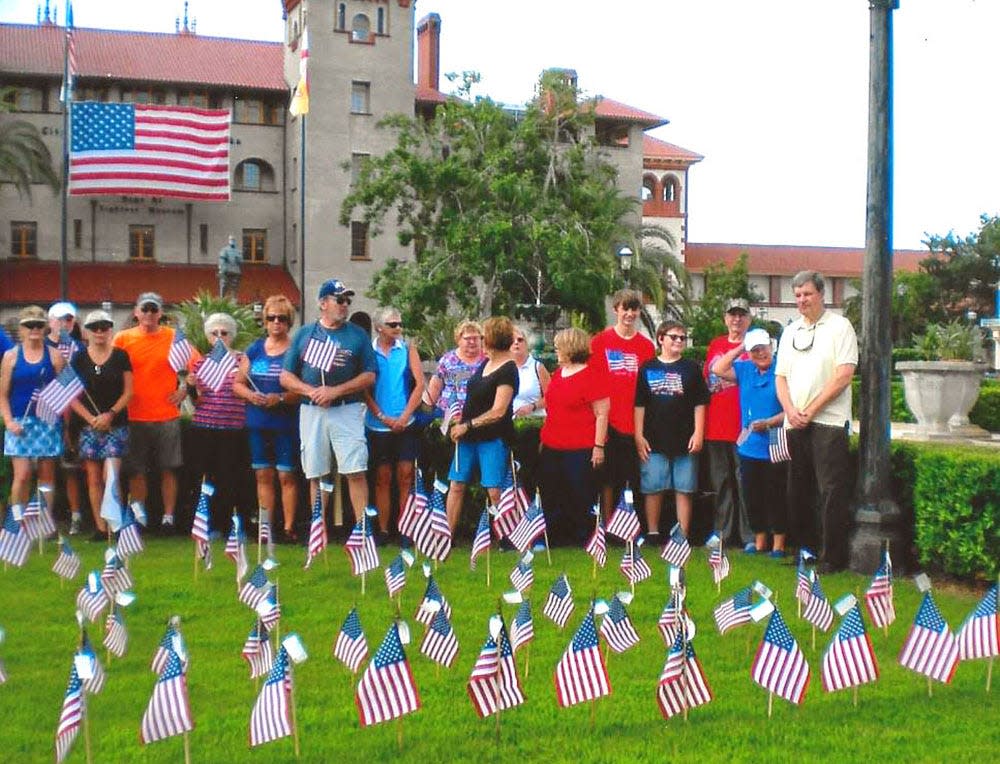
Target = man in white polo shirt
(817,356)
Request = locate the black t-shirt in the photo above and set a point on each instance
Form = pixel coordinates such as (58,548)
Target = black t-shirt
(104,383)
(481,392)
(669,392)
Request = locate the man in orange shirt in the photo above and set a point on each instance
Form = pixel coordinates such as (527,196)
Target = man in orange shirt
(154,410)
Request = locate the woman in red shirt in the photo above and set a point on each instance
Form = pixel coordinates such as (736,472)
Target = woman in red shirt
(573,438)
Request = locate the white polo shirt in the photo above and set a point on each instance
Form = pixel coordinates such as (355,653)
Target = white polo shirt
(827,344)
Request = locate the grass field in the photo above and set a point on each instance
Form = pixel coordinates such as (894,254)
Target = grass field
(895,720)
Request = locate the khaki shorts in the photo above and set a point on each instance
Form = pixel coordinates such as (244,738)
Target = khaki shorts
(337,431)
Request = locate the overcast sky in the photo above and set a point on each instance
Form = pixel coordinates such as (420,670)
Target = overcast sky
(773,93)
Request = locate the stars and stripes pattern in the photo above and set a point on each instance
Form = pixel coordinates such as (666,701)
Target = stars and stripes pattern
(320,350)
(617,628)
(67,564)
(317,529)
(530,527)
(878,598)
(55,397)
(803,583)
(670,620)
(264,535)
(351,647)
(677,550)
(559,604)
(978,636)
(395,576)
(930,647)
(597,546)
(667,383)
(92,598)
(779,665)
(115,633)
(236,547)
(493,684)
(170,643)
(682,682)
(360,547)
(622,362)
(37,520)
(386,689)
(201,528)
(432,593)
(146,150)
(777,445)
(718,561)
(115,576)
(416,503)
(511,507)
(129,540)
(70,715)
(818,611)
(440,643)
(522,576)
(522,628)
(430,531)
(257,650)
(734,612)
(581,674)
(269,609)
(181,350)
(624,522)
(256,588)
(95,682)
(216,366)
(168,712)
(270,718)
(482,540)
(633,566)
(849,660)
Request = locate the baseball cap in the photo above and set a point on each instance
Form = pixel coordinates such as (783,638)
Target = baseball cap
(98,317)
(62,309)
(334,288)
(756,337)
(737,303)
(147,297)
(31,313)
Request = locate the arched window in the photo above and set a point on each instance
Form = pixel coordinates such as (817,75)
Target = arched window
(671,188)
(253,175)
(380,21)
(648,187)
(360,28)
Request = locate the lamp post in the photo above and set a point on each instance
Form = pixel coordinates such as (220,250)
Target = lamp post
(625,256)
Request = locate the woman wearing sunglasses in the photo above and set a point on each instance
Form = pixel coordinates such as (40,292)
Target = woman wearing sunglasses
(272,415)
(28,440)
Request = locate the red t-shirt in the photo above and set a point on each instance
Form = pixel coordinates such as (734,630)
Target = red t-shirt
(620,359)
(569,419)
(722,419)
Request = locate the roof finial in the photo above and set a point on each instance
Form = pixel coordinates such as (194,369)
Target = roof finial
(187,28)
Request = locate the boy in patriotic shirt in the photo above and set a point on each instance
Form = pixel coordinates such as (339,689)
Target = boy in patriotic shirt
(619,351)
(670,401)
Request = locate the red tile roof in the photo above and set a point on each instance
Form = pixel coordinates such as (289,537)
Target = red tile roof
(607,108)
(789,259)
(37,281)
(425,94)
(145,57)
(654,148)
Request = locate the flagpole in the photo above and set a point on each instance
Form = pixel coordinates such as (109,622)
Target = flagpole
(67,101)
(302,208)
(593,568)
(364,573)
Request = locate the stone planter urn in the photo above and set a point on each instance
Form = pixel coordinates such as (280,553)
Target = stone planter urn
(940,394)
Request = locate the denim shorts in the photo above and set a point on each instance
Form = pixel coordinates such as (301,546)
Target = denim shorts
(674,473)
(489,455)
(273,448)
(336,429)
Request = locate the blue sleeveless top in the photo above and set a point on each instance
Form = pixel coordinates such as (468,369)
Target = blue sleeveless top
(26,378)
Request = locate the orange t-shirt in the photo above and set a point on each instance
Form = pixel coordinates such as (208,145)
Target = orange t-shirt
(153,379)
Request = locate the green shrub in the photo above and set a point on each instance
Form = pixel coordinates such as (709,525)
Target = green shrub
(986,412)
(906,354)
(696,354)
(898,410)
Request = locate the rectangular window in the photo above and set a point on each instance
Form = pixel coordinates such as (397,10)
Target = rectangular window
(203,238)
(90,94)
(357,162)
(360,98)
(141,240)
(23,238)
(77,233)
(250,111)
(255,245)
(193,98)
(359,241)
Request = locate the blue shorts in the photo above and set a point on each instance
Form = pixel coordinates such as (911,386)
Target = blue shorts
(38,439)
(676,473)
(273,448)
(392,447)
(489,455)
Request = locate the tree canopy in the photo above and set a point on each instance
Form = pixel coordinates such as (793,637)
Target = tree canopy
(721,285)
(24,157)
(501,207)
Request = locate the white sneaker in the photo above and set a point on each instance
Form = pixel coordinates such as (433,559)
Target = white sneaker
(74,525)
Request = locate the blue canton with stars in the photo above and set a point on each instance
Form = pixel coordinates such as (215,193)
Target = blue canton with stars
(103,127)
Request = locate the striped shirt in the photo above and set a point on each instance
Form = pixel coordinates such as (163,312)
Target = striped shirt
(220,410)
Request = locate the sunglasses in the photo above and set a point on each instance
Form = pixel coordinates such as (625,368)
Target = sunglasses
(99,327)
(279,319)
(220,333)
(150,308)
(33,324)
(394,324)
(343,300)
(675,337)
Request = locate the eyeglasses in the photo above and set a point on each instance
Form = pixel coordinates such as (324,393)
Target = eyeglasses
(394,324)
(675,337)
(33,324)
(471,338)
(220,333)
(810,338)
(150,308)
(99,327)
(280,319)
(343,300)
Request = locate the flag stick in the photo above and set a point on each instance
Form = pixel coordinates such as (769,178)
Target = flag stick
(187,747)
(631,554)
(989,674)
(488,566)
(855,696)
(41,536)
(814,638)
(593,713)
(527,659)
(593,569)
(548,552)
(291,700)
(364,573)
(196,561)
(86,726)
(930,690)
(338,500)
(770,704)
(260,525)
(399,733)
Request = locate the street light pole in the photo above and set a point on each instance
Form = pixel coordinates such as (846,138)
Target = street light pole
(876,515)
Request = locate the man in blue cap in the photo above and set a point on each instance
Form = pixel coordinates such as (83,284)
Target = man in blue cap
(330,365)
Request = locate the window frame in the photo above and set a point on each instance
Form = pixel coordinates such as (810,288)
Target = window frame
(361,97)
(360,241)
(254,245)
(138,234)
(24,239)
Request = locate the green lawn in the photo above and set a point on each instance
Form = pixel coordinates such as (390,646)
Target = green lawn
(895,719)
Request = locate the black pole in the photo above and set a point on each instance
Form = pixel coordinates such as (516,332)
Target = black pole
(302,211)
(876,514)
(67,104)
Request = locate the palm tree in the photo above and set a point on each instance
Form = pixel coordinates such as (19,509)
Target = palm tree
(24,157)
(659,273)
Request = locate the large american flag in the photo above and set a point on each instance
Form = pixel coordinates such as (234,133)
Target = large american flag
(56,396)
(559,604)
(493,685)
(677,550)
(878,598)
(581,674)
(522,628)
(256,588)
(180,352)
(271,715)
(481,541)
(360,547)
(67,564)
(930,647)
(597,545)
(386,689)
(216,367)
(317,530)
(818,611)
(850,659)
(633,566)
(201,528)
(257,650)
(395,576)
(115,634)
(682,682)
(624,522)
(978,636)
(440,643)
(416,502)
(734,612)
(70,715)
(431,594)
(320,349)
(168,712)
(530,527)
(351,647)
(430,531)
(779,665)
(617,627)
(523,575)
(145,150)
